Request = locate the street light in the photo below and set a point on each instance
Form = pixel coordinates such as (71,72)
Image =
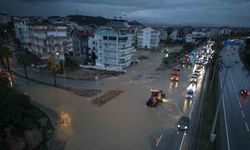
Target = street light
(97,86)
(63,67)
(212,134)
(57,54)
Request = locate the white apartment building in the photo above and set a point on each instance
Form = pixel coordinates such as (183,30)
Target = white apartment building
(189,38)
(47,39)
(113,48)
(22,33)
(225,31)
(198,35)
(148,38)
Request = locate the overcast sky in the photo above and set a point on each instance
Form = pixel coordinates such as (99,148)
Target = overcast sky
(196,12)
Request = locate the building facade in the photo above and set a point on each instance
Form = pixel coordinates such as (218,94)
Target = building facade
(163,34)
(189,38)
(148,38)
(80,44)
(47,39)
(22,33)
(114,48)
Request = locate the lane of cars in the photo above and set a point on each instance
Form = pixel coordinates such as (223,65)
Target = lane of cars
(202,59)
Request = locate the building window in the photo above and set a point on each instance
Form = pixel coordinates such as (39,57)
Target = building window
(112,38)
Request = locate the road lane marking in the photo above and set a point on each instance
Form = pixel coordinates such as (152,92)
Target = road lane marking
(158,140)
(247,126)
(225,116)
(243,114)
(182,141)
(239,104)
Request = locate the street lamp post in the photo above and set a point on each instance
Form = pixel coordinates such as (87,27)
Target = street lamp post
(212,134)
(97,86)
(63,67)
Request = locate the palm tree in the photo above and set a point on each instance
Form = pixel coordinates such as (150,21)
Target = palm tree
(5,53)
(54,67)
(23,58)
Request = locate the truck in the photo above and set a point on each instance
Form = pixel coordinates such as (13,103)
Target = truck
(175,75)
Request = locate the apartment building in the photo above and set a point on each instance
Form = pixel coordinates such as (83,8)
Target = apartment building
(148,38)
(80,38)
(47,39)
(163,34)
(22,32)
(113,47)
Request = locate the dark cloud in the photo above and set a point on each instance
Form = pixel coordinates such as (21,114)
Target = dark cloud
(221,12)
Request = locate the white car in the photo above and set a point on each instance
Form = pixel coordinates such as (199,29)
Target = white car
(190,94)
(193,80)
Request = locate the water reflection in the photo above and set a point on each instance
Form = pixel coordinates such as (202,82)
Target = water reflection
(64,126)
(173,84)
(186,105)
(64,119)
(243,100)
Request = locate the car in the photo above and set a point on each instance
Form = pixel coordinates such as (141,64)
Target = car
(183,123)
(190,94)
(197,70)
(199,65)
(193,80)
(244,92)
(195,76)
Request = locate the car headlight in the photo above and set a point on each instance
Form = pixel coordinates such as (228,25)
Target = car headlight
(178,126)
(172,78)
(185,127)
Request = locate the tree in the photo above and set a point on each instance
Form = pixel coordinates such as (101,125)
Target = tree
(5,53)
(188,46)
(23,58)
(18,44)
(93,57)
(54,67)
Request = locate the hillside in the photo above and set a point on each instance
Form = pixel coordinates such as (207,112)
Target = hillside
(88,20)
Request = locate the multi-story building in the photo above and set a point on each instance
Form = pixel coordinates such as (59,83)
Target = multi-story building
(113,48)
(22,32)
(192,38)
(148,38)
(163,34)
(80,44)
(189,38)
(198,35)
(225,31)
(47,39)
